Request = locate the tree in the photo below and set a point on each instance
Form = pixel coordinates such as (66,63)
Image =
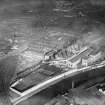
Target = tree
(7,71)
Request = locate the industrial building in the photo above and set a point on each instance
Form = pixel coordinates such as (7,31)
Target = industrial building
(52,52)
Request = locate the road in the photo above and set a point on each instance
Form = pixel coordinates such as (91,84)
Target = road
(40,23)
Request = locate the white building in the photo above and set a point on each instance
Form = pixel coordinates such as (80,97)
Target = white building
(96,56)
(74,64)
(91,59)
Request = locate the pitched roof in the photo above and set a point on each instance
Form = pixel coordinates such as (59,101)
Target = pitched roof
(81,55)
